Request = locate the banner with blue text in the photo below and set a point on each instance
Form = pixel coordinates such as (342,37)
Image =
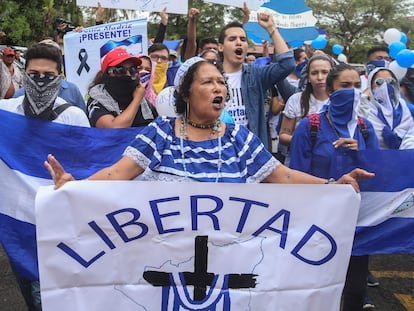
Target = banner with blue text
(133,245)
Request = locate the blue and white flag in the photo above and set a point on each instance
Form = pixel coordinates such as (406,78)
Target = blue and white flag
(85,50)
(386,218)
(385,223)
(25,143)
(294,20)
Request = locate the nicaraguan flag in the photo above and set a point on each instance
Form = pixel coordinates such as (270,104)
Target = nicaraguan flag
(385,225)
(25,143)
(386,218)
(293,18)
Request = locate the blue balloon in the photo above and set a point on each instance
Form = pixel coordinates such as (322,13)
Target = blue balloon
(396,47)
(319,43)
(403,38)
(337,49)
(405,58)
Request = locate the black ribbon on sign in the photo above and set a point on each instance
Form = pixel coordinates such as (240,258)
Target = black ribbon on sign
(83,57)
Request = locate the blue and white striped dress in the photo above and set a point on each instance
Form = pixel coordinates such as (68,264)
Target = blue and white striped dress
(157,149)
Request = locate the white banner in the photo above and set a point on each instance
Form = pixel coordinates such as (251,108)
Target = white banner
(84,50)
(251,4)
(173,6)
(131,245)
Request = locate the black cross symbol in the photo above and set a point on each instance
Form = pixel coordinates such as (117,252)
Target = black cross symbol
(200,278)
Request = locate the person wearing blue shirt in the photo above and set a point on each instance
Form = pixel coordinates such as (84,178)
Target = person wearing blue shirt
(338,130)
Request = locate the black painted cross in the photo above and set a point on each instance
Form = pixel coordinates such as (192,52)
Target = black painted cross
(200,278)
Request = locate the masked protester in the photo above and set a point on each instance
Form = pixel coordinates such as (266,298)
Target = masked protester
(117,96)
(41,81)
(301,62)
(407,89)
(315,144)
(388,112)
(159,54)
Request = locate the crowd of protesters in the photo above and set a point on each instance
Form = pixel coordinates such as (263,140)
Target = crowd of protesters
(377,114)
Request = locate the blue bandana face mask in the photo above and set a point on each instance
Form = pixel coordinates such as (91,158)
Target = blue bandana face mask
(371,65)
(299,68)
(342,108)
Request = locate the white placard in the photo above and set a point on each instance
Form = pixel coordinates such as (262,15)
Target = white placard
(173,6)
(132,245)
(84,50)
(251,4)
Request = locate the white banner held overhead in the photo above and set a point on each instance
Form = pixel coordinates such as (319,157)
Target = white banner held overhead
(84,50)
(131,245)
(173,6)
(251,4)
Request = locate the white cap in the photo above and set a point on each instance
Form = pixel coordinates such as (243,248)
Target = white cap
(184,68)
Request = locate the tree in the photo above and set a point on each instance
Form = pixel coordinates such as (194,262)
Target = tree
(359,24)
(27,22)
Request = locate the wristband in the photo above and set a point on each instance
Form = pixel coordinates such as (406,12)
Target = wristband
(330,181)
(272,32)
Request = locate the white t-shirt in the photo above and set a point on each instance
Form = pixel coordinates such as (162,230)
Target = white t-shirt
(235,105)
(293,109)
(70,116)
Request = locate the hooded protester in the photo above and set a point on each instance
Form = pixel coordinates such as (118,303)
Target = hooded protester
(389,114)
(338,128)
(315,144)
(117,96)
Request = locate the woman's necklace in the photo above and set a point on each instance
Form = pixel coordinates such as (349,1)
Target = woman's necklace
(215,128)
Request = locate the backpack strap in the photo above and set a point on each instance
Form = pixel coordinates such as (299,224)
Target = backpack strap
(314,123)
(58,110)
(362,125)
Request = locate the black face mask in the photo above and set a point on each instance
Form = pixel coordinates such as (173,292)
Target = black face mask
(120,88)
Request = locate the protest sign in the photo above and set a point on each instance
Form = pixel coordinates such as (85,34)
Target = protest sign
(173,6)
(132,245)
(84,50)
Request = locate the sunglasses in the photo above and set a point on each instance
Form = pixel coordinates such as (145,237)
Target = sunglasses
(10,55)
(45,76)
(121,70)
(381,81)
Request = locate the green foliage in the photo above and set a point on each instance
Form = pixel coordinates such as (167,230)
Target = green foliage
(26,22)
(359,24)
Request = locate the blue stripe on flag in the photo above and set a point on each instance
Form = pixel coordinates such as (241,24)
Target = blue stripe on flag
(394,172)
(25,143)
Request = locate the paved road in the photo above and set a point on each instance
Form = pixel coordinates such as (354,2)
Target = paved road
(395,293)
